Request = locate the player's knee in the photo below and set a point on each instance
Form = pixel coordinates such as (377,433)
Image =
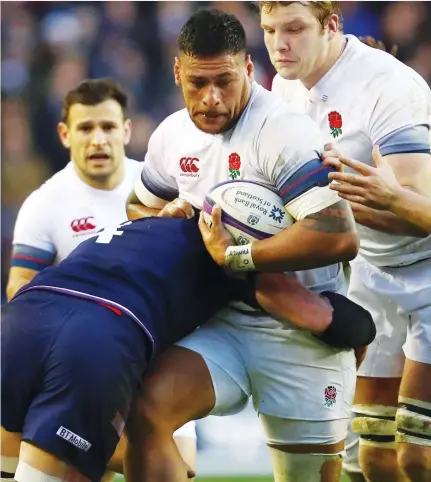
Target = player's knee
(376,427)
(304,467)
(152,412)
(413,438)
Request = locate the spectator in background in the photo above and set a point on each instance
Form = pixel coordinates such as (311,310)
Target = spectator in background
(47,47)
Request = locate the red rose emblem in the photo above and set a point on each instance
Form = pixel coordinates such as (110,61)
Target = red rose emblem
(335,123)
(335,120)
(234,162)
(330,393)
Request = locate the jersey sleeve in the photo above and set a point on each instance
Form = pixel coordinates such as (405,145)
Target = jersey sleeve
(291,160)
(400,121)
(155,186)
(33,246)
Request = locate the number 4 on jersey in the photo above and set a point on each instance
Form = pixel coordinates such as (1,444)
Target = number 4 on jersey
(108,233)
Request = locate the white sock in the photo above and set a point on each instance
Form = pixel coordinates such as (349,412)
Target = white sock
(27,473)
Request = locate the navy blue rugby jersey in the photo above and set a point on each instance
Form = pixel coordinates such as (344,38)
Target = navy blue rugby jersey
(156,270)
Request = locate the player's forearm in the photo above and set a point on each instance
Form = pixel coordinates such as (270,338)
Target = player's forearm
(385,221)
(286,298)
(321,239)
(14,286)
(413,207)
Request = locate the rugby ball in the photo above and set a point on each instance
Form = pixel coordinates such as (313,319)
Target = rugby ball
(250,211)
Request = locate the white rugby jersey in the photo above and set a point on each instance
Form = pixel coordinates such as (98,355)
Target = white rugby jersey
(65,211)
(368,98)
(269,144)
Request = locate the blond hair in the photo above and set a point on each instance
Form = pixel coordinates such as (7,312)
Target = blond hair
(322,10)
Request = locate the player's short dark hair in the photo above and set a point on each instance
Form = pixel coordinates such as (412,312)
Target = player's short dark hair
(93,92)
(210,32)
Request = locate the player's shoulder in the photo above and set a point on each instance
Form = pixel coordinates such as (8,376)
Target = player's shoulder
(174,123)
(379,71)
(279,114)
(57,185)
(278,124)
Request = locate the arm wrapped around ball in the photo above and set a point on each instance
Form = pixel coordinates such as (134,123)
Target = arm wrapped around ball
(331,317)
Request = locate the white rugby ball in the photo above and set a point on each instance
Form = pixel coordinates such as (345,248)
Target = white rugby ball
(250,211)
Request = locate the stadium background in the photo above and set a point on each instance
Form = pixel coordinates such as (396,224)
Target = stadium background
(48,47)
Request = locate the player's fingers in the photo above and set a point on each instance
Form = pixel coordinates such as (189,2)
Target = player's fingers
(347,189)
(353,199)
(333,162)
(216,215)
(185,206)
(330,153)
(203,227)
(175,211)
(358,166)
(348,178)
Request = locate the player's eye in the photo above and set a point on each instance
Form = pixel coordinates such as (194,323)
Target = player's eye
(198,84)
(269,31)
(295,29)
(223,83)
(85,129)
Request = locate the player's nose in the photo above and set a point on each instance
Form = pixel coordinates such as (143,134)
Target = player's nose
(98,138)
(211,96)
(280,43)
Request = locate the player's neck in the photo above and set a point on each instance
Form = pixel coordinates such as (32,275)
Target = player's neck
(104,184)
(335,51)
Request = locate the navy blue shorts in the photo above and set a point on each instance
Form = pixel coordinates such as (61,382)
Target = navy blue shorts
(70,369)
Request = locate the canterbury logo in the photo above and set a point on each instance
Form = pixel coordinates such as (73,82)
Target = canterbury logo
(188,164)
(83,224)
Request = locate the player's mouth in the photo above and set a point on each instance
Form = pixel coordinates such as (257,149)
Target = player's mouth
(284,62)
(211,117)
(99,157)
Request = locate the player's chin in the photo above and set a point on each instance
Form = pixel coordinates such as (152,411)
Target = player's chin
(100,171)
(212,125)
(289,72)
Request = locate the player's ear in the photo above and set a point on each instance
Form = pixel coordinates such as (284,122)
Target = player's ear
(249,68)
(63,133)
(177,76)
(127,131)
(333,25)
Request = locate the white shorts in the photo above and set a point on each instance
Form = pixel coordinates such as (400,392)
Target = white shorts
(188,430)
(399,300)
(289,374)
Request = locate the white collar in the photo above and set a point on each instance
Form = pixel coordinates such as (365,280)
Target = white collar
(329,84)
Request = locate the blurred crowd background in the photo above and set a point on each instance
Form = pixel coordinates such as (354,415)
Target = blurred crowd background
(48,47)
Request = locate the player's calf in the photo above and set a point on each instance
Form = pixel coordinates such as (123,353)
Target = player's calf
(413,437)
(309,467)
(376,426)
(172,397)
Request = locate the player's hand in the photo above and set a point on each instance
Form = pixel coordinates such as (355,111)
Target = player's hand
(378,44)
(331,157)
(178,208)
(216,238)
(375,187)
